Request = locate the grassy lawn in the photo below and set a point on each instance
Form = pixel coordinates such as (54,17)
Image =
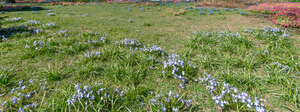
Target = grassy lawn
(95,45)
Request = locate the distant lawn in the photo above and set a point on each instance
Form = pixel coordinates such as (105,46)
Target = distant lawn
(163,26)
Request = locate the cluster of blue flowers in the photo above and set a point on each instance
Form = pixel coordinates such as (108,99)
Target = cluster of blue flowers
(101,40)
(93,43)
(284,68)
(227,9)
(227,93)
(62,32)
(177,67)
(51,14)
(88,95)
(23,30)
(172,102)
(33,22)
(153,49)
(85,15)
(51,24)
(93,54)
(85,93)
(3,38)
(37,44)
(142,9)
(19,97)
(268,32)
(15,19)
(128,43)
(134,45)
(244,13)
(212,10)
(36,31)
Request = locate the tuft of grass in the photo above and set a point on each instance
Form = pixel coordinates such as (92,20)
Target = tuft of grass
(147,24)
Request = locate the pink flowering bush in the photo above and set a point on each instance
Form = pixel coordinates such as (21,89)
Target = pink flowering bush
(286,14)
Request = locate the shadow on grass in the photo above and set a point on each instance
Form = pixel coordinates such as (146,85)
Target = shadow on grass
(11,31)
(15,8)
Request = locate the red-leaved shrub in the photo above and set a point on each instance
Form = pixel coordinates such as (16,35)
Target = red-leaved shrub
(286,14)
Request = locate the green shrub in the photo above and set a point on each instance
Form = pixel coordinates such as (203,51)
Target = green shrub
(1,6)
(10,1)
(1,19)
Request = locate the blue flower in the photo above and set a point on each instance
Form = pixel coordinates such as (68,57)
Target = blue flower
(210,12)
(51,14)
(170,93)
(77,86)
(202,8)
(202,12)
(142,9)
(181,86)
(52,24)
(86,88)
(30,81)
(188,102)
(153,101)
(15,19)
(175,109)
(62,32)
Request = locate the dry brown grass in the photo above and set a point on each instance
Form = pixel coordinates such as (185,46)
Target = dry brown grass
(174,12)
(180,12)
